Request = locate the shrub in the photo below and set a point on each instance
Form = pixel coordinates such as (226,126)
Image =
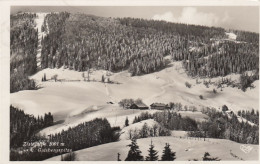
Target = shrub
(201,97)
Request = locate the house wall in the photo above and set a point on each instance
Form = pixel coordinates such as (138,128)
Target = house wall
(143,108)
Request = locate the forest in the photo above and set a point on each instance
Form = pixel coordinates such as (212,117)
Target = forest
(80,42)
(139,46)
(252,115)
(222,126)
(87,134)
(23,127)
(218,125)
(23,51)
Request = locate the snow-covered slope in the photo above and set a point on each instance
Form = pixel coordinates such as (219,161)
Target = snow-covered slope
(69,98)
(39,22)
(186,149)
(136,126)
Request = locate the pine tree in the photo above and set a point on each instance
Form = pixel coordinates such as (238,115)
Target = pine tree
(168,155)
(126,122)
(103,79)
(118,157)
(134,153)
(152,156)
(44,77)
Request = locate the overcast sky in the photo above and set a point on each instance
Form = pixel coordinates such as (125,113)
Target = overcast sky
(241,18)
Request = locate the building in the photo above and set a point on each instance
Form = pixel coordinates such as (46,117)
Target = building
(140,105)
(159,106)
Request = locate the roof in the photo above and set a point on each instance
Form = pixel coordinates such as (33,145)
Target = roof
(158,104)
(140,105)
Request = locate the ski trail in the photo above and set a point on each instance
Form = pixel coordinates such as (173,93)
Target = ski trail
(39,22)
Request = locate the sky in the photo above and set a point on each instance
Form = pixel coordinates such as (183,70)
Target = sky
(229,17)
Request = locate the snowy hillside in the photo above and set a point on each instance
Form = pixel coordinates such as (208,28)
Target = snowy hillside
(39,22)
(136,126)
(72,95)
(186,149)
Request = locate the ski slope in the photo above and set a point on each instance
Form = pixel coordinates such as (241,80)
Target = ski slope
(39,22)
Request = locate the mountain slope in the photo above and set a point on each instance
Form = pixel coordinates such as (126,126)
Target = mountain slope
(68,98)
(186,149)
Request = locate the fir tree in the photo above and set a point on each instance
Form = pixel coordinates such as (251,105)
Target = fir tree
(134,153)
(126,122)
(44,77)
(152,156)
(118,157)
(168,155)
(103,79)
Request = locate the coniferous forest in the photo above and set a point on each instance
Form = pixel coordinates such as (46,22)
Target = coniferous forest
(87,134)
(80,41)
(218,125)
(23,127)
(23,51)
(139,45)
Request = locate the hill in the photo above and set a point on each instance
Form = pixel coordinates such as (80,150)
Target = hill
(72,100)
(186,149)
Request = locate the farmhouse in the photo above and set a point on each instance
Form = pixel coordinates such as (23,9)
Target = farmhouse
(159,106)
(139,106)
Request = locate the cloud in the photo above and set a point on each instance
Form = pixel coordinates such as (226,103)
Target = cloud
(191,15)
